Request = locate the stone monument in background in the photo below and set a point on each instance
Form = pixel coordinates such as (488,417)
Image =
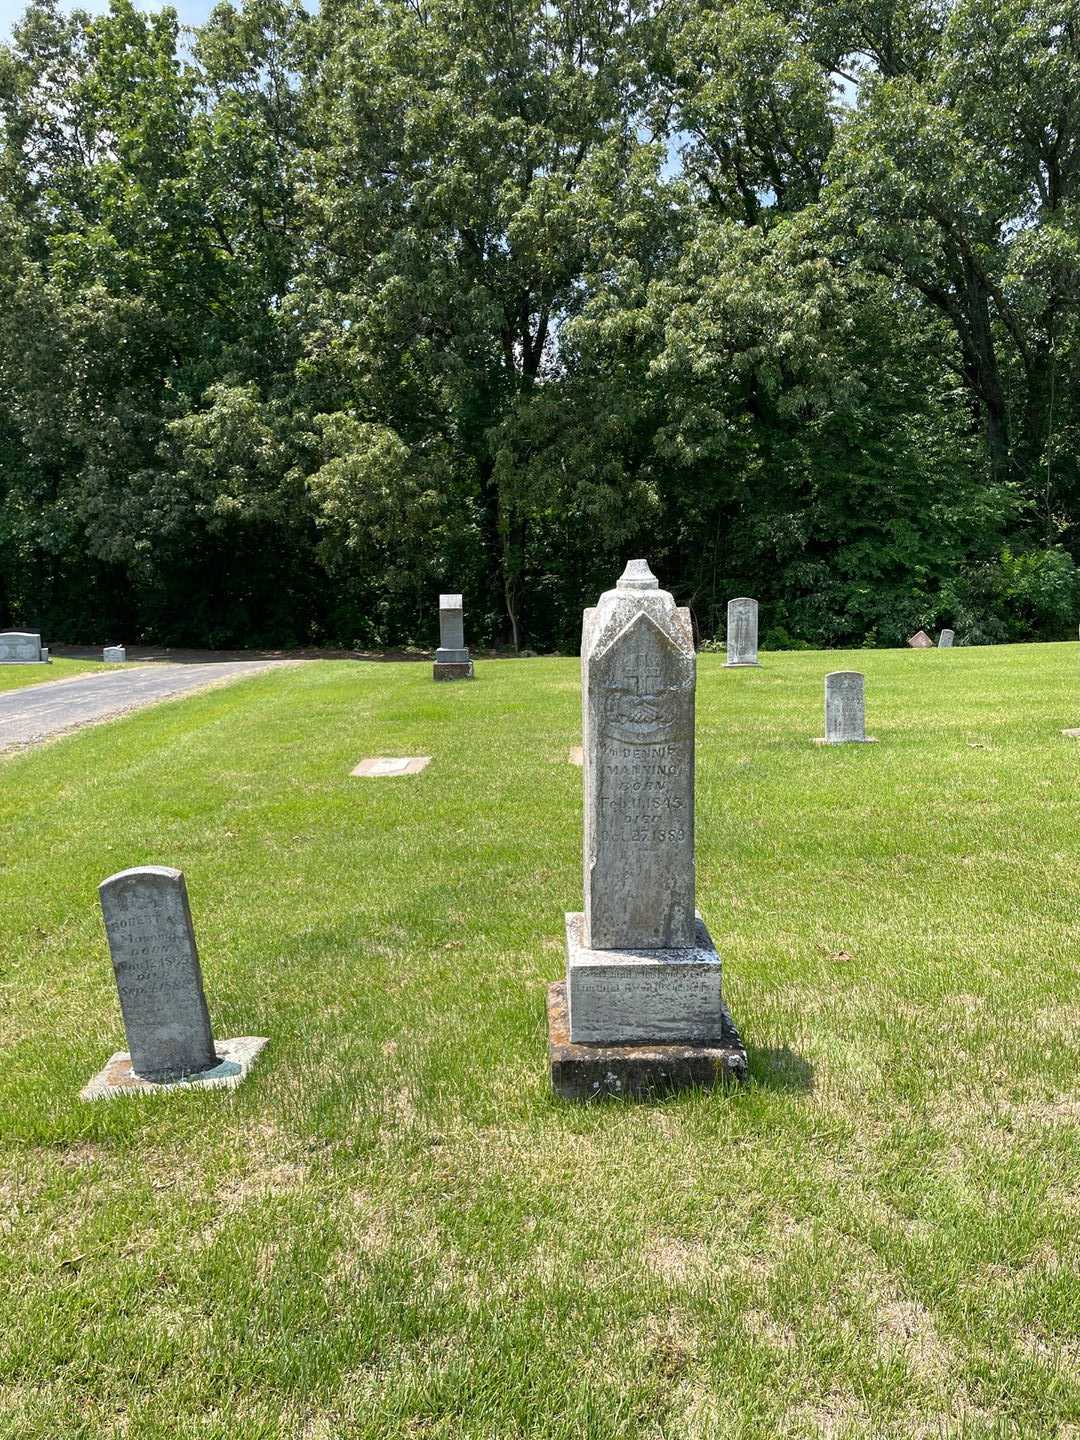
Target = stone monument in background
(114,655)
(742,618)
(159,980)
(945,639)
(22,647)
(452,659)
(845,710)
(920,641)
(641,1008)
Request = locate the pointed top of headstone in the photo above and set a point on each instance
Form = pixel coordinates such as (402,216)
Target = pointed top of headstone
(638,576)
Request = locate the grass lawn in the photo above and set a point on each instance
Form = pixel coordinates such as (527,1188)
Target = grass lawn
(393,1230)
(14,677)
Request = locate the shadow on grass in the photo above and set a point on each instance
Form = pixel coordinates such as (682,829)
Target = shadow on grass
(779,1069)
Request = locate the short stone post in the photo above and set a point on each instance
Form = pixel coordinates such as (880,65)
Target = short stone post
(945,639)
(452,659)
(845,715)
(159,981)
(742,627)
(643,976)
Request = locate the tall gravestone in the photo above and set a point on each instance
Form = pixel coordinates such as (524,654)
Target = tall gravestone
(452,659)
(845,709)
(159,981)
(945,639)
(21,647)
(742,631)
(643,977)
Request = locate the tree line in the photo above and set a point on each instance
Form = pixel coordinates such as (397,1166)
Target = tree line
(305,317)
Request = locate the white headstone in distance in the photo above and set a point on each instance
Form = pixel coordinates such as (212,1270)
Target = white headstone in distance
(452,659)
(845,714)
(114,654)
(21,647)
(742,631)
(945,639)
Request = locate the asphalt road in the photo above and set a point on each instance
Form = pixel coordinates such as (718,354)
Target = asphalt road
(38,712)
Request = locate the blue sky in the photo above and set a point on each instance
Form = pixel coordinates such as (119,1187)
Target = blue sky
(191,12)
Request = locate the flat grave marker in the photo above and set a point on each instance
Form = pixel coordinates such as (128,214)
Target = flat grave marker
(381,767)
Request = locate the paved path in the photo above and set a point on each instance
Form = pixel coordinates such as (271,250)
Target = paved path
(38,712)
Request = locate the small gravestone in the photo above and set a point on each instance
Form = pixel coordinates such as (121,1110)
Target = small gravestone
(845,714)
(920,641)
(641,1009)
(114,655)
(576,757)
(945,639)
(452,659)
(22,647)
(159,981)
(377,767)
(742,626)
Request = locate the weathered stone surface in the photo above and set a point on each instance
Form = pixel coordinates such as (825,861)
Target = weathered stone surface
(920,641)
(593,1072)
(576,755)
(156,962)
(624,996)
(453,670)
(742,631)
(945,639)
(452,624)
(381,766)
(643,975)
(845,714)
(21,647)
(638,671)
(235,1059)
(114,654)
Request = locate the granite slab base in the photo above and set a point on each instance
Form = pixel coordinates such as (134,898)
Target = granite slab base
(636,1072)
(1071,734)
(630,997)
(453,670)
(742,665)
(236,1059)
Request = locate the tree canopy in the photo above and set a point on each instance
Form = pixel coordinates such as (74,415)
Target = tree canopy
(305,317)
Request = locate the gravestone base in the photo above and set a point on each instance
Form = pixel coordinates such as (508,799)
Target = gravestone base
(235,1057)
(636,1072)
(629,997)
(742,665)
(854,740)
(453,670)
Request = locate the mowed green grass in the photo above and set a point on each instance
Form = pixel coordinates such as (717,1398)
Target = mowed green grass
(15,677)
(394,1230)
